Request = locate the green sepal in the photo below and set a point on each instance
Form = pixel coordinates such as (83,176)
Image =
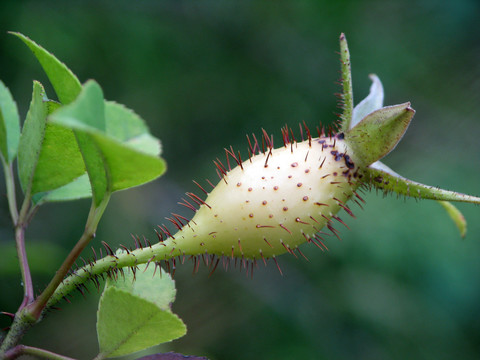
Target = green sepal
(378,133)
(456,216)
(382,177)
(347,94)
(9,125)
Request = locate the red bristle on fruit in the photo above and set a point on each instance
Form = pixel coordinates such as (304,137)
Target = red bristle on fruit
(292,136)
(265,239)
(340,221)
(268,156)
(200,187)
(198,200)
(267,139)
(301,253)
(187,205)
(278,266)
(334,231)
(256,146)
(228,160)
(220,166)
(214,267)
(174,222)
(284,228)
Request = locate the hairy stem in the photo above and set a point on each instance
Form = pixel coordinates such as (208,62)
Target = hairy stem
(29,350)
(157,252)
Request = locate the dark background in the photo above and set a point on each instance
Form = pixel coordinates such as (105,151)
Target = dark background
(401,283)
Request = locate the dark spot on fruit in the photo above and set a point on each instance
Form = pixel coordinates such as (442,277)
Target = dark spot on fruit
(285,208)
(247,201)
(350,164)
(299,184)
(378,179)
(250,215)
(275,188)
(264,202)
(294,164)
(270,216)
(289,176)
(305,198)
(263,177)
(307,171)
(250,189)
(335,173)
(278,167)
(239,184)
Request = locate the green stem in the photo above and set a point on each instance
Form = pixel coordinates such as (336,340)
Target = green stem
(10,185)
(24,267)
(96,212)
(29,350)
(20,225)
(31,311)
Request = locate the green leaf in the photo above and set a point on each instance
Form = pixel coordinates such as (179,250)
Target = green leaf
(87,113)
(372,102)
(60,162)
(379,132)
(126,126)
(32,136)
(9,125)
(347,95)
(134,313)
(149,283)
(49,160)
(118,151)
(66,84)
(77,189)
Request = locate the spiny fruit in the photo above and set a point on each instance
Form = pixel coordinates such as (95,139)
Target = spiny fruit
(280,198)
(275,201)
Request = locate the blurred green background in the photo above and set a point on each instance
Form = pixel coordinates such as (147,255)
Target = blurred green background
(401,284)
